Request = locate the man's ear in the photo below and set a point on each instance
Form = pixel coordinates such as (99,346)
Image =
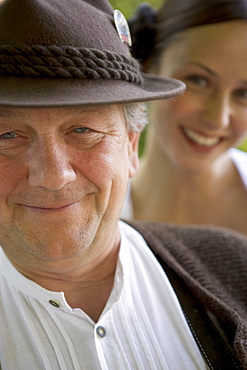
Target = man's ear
(133,152)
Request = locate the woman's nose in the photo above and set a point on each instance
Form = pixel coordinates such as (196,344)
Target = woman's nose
(218,111)
(49,166)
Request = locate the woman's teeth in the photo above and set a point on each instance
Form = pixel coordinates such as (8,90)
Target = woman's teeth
(201,139)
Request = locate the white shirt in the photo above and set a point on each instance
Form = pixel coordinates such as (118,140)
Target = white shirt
(239,159)
(141,327)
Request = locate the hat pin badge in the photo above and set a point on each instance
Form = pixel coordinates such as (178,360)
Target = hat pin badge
(122,27)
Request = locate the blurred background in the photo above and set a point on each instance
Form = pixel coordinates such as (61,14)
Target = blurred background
(128,8)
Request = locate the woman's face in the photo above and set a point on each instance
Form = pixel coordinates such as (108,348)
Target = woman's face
(211,116)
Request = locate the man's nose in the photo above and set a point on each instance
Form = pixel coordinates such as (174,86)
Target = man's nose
(49,165)
(218,111)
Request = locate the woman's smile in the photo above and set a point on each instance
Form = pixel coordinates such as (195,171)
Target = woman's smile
(201,139)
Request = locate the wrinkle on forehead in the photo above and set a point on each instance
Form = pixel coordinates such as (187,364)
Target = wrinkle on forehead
(109,117)
(24,113)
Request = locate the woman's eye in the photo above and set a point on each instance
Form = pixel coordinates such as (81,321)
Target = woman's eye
(8,135)
(197,80)
(80,130)
(241,93)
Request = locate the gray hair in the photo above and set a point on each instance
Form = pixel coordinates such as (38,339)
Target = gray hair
(136,116)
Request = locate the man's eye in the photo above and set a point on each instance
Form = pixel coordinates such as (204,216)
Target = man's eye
(8,135)
(80,130)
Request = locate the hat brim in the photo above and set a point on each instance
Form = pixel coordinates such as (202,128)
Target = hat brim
(35,92)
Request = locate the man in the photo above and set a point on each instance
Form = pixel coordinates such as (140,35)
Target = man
(79,289)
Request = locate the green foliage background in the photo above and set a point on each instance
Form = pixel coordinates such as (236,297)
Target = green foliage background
(128,8)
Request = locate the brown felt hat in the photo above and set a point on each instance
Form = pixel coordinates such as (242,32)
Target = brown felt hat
(69,53)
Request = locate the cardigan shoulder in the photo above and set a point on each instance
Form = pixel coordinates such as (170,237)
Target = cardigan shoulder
(208,258)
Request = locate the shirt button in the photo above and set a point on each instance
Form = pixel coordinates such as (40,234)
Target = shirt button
(54,303)
(101,331)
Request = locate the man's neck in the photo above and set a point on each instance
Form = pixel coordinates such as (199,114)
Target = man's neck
(87,289)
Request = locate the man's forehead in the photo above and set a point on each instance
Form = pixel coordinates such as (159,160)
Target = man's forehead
(11,112)
(8,112)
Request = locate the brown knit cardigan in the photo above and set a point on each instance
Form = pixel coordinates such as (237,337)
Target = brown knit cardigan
(213,264)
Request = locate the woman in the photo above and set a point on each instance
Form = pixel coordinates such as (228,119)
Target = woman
(189,173)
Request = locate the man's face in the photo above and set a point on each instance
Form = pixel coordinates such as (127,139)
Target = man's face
(63,175)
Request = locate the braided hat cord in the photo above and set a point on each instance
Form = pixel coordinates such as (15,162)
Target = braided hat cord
(67,62)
